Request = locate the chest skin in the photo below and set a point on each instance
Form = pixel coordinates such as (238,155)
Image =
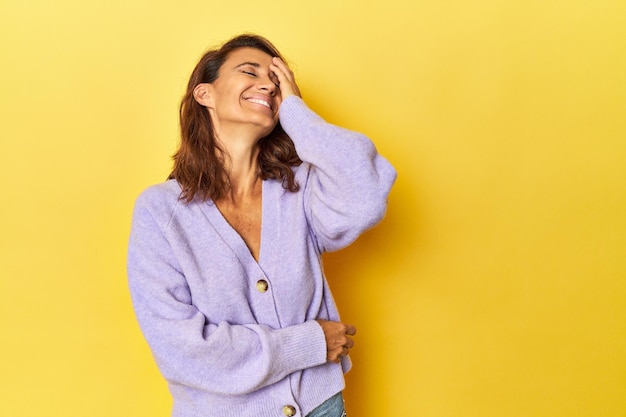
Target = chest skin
(244,216)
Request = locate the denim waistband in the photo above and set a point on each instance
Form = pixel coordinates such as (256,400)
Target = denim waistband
(332,407)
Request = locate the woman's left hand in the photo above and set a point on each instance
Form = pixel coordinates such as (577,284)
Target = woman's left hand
(286,80)
(338,339)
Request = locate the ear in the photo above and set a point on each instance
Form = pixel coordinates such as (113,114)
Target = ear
(202,94)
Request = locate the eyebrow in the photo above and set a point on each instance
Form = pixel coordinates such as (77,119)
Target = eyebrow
(243,64)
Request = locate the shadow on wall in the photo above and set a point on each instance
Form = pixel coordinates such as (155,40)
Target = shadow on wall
(360,277)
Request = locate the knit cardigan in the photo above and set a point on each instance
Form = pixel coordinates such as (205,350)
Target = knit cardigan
(233,336)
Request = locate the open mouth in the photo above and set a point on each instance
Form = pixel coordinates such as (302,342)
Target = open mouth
(261,102)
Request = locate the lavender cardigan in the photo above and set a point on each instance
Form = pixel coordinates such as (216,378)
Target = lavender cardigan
(236,337)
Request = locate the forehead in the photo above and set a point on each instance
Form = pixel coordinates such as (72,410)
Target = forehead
(251,55)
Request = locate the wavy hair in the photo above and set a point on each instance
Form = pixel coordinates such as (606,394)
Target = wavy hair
(198,162)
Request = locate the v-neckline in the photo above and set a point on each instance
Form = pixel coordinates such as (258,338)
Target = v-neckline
(232,237)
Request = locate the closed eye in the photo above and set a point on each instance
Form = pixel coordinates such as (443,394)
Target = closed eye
(252,73)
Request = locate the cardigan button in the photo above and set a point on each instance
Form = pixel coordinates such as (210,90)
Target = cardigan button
(289,410)
(262,286)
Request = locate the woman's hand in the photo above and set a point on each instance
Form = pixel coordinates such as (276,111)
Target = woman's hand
(286,81)
(338,340)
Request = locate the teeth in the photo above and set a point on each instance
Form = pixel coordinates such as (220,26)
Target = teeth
(261,102)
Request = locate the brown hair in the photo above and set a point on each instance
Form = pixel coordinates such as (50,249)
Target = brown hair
(198,162)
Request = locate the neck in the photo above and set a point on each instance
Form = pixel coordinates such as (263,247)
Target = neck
(241,163)
(244,181)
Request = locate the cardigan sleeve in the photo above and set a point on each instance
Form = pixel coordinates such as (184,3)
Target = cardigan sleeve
(348,182)
(189,349)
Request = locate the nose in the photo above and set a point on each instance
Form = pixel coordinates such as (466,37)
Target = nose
(266,84)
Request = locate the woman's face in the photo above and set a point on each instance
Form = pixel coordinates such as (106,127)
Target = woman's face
(245,93)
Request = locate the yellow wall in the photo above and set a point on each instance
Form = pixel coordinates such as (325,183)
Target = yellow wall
(495,286)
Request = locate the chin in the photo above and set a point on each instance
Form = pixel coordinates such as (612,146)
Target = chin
(267,128)
(266,133)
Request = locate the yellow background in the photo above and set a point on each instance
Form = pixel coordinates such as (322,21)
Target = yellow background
(496,284)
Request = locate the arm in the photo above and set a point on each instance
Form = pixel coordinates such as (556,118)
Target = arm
(348,182)
(189,348)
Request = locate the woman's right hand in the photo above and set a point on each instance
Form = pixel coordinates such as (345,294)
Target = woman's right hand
(338,340)
(286,79)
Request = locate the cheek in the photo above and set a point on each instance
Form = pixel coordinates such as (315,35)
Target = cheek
(279,101)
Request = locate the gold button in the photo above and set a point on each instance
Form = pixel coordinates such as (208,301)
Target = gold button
(262,286)
(289,410)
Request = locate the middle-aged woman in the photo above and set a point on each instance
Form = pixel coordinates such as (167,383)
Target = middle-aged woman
(224,258)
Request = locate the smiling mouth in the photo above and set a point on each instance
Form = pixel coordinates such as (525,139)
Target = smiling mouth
(261,102)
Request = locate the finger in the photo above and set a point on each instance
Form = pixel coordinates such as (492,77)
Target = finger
(282,66)
(283,73)
(349,343)
(283,77)
(350,330)
(336,357)
(287,86)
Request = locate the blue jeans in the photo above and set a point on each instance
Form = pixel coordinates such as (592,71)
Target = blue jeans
(332,407)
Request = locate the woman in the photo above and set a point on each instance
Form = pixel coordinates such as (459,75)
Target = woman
(224,258)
